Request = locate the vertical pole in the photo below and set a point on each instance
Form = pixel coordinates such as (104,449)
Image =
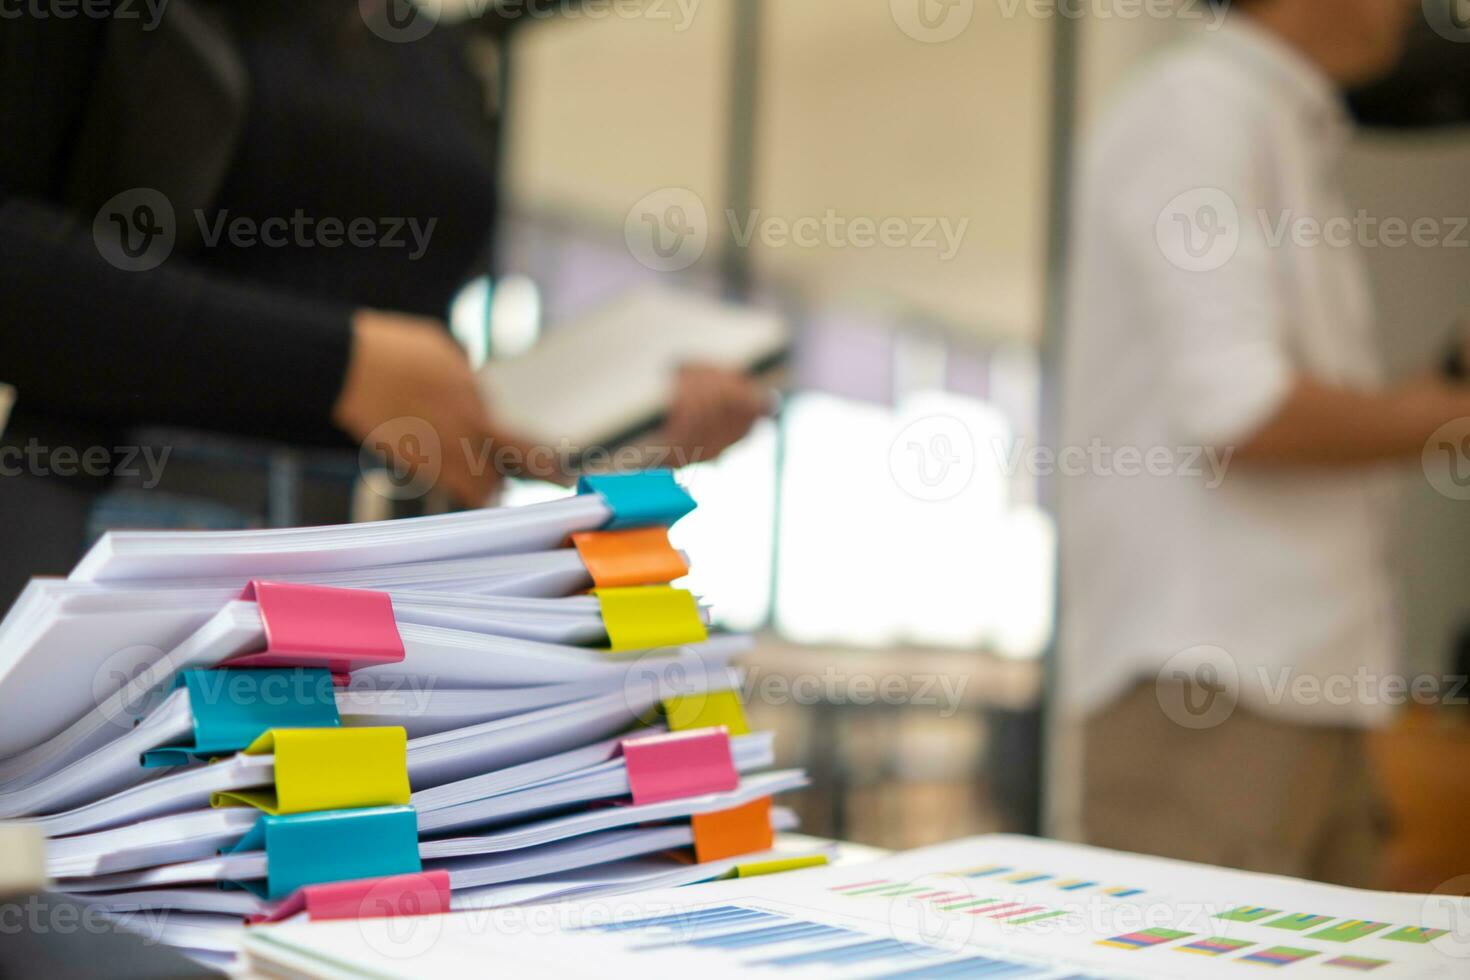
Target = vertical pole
(1066,35)
(742,121)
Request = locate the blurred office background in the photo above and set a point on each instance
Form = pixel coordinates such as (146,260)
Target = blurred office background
(903,616)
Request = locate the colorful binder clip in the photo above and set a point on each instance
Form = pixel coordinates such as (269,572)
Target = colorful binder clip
(679,764)
(232,708)
(335,845)
(425,893)
(730,833)
(776,866)
(328,769)
(616,559)
(707,709)
(646,499)
(644,617)
(317,626)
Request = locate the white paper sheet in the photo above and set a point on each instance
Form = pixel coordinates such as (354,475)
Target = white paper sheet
(140,555)
(1015,907)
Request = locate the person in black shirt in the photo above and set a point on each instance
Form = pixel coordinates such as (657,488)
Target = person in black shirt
(274,113)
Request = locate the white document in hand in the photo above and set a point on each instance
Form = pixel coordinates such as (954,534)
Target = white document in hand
(611,373)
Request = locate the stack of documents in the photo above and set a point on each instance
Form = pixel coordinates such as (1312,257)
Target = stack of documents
(459,711)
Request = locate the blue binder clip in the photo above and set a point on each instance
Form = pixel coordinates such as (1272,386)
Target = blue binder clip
(647,499)
(331,845)
(232,708)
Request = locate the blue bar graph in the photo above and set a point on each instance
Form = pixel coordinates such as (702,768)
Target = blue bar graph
(781,942)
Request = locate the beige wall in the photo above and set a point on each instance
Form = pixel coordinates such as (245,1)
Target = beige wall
(606,110)
(862,118)
(1419,291)
(857,117)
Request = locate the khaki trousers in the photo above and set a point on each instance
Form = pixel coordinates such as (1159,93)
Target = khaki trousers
(1251,793)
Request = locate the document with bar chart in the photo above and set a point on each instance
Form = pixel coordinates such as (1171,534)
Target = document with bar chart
(995,906)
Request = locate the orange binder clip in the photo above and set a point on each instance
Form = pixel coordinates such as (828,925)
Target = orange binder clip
(643,556)
(729,833)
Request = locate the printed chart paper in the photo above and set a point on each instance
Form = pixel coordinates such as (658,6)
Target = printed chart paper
(996,906)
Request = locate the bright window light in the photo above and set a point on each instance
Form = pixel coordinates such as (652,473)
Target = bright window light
(897,527)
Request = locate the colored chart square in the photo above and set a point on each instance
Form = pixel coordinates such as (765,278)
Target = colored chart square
(1026,877)
(993,869)
(1144,939)
(1122,891)
(856,887)
(1348,930)
(1248,913)
(1415,934)
(972,903)
(1040,917)
(1214,946)
(1074,884)
(1298,922)
(1278,956)
(1361,963)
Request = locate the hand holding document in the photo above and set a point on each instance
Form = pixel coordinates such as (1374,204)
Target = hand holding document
(615,373)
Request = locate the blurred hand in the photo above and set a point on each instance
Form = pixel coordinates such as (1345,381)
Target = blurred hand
(406,378)
(712,409)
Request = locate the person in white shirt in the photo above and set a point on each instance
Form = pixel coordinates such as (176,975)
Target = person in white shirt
(1228,446)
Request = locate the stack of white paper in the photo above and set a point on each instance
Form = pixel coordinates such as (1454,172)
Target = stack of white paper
(511,713)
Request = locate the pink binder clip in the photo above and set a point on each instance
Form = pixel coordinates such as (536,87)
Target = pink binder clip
(424,893)
(680,764)
(317,626)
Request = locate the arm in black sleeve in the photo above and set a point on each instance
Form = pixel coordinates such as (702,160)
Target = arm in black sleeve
(83,340)
(170,346)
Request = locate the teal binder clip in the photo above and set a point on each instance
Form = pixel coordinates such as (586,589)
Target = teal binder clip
(651,498)
(232,708)
(331,845)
